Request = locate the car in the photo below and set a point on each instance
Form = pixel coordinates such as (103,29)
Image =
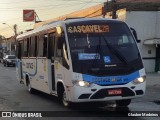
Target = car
(9,60)
(1,60)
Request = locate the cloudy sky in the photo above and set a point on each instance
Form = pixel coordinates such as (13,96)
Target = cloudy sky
(11,11)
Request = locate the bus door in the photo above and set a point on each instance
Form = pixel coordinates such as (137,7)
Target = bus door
(61,59)
(51,51)
(19,61)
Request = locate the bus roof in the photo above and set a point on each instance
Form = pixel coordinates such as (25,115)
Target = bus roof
(61,23)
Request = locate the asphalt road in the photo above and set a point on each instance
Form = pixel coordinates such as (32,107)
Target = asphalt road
(15,97)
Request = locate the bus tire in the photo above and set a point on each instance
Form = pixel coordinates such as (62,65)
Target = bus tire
(123,103)
(64,101)
(30,89)
(62,96)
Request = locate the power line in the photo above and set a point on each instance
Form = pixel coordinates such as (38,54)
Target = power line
(17,2)
(45,6)
(54,7)
(66,5)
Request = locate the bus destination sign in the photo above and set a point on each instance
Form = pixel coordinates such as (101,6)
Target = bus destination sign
(88,29)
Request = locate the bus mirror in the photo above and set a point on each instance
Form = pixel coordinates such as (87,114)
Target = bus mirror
(138,41)
(135,34)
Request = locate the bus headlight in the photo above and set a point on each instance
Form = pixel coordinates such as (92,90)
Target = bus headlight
(81,83)
(139,80)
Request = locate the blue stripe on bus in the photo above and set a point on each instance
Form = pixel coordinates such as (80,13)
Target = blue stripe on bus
(111,80)
(31,74)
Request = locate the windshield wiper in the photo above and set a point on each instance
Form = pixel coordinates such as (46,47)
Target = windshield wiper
(116,52)
(98,53)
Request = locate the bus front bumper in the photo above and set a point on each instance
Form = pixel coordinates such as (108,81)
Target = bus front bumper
(97,93)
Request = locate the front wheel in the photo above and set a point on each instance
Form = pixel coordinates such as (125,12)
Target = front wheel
(123,103)
(64,100)
(62,97)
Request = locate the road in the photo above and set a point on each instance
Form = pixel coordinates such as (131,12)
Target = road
(15,97)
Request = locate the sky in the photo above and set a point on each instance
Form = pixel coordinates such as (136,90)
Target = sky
(11,11)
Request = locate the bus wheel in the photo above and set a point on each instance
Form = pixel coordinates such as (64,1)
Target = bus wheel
(30,89)
(123,103)
(64,100)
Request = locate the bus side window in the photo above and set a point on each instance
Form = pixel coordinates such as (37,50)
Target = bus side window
(20,49)
(40,46)
(27,47)
(32,47)
(59,47)
(45,45)
(25,52)
(51,45)
(35,51)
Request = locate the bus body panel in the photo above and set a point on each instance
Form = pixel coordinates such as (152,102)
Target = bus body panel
(19,71)
(37,71)
(41,76)
(77,91)
(62,74)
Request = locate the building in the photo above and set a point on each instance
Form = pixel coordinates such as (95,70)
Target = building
(9,45)
(142,15)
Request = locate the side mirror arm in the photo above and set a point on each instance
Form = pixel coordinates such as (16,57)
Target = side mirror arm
(135,34)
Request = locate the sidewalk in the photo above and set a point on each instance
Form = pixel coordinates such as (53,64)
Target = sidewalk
(153,79)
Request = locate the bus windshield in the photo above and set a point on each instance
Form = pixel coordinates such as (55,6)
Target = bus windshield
(103,49)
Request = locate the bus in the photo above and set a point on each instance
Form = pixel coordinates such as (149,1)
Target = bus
(82,60)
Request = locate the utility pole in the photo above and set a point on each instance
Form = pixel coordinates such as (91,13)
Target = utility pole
(10,42)
(15,29)
(110,6)
(105,9)
(15,35)
(36,16)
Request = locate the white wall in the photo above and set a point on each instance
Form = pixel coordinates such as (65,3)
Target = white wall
(147,25)
(143,22)
(149,65)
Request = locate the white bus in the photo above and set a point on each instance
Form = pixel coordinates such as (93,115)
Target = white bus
(82,60)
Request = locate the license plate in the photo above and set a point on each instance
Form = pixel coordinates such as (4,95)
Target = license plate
(115,92)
